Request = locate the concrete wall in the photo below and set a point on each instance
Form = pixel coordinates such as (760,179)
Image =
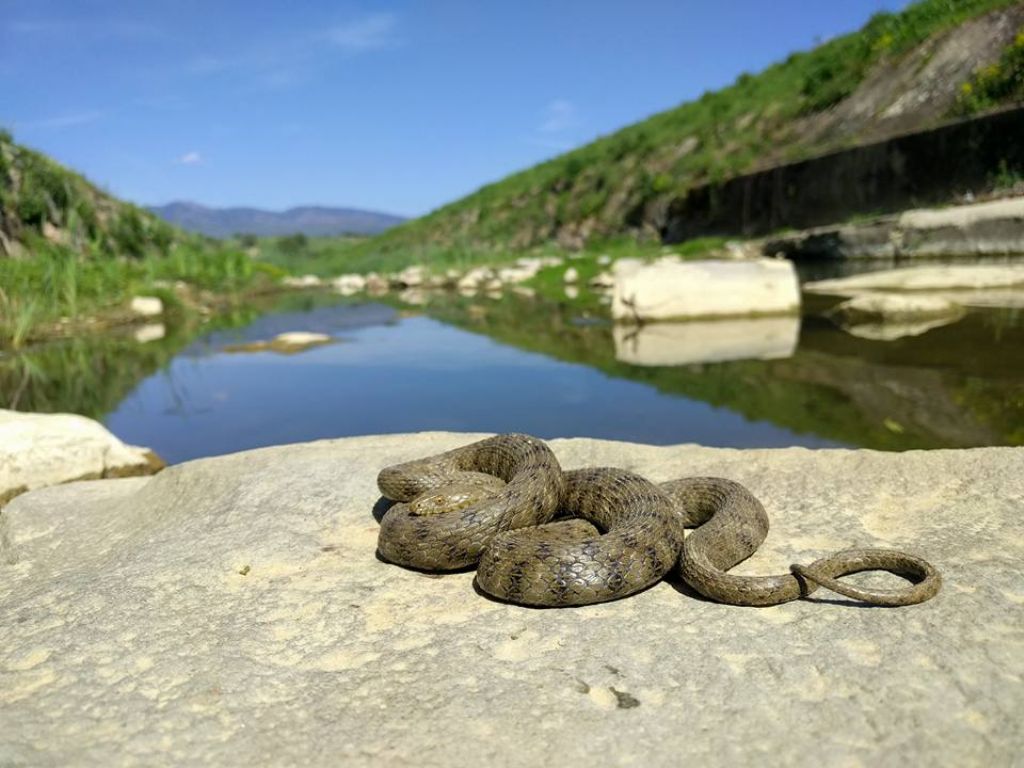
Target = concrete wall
(925,168)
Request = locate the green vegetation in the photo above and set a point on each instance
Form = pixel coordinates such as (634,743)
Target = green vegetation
(69,250)
(996,84)
(620,184)
(302,255)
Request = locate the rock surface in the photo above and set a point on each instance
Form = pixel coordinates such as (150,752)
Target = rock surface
(40,449)
(147,306)
(945,278)
(670,289)
(305,281)
(230,611)
(992,228)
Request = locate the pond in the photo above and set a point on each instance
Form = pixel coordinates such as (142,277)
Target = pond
(541,367)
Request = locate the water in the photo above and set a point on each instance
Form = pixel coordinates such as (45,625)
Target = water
(474,364)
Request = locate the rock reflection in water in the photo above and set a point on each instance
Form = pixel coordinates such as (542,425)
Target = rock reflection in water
(891,331)
(710,341)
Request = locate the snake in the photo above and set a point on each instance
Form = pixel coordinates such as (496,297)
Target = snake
(545,537)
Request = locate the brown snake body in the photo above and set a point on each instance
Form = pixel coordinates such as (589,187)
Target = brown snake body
(543,537)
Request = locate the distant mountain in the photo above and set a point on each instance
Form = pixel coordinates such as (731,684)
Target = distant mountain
(309,220)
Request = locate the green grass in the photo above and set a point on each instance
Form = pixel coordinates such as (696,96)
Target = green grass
(996,84)
(56,282)
(78,251)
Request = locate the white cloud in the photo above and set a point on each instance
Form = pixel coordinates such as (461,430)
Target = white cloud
(190,158)
(365,34)
(559,115)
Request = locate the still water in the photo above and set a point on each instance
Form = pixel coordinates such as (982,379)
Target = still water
(549,369)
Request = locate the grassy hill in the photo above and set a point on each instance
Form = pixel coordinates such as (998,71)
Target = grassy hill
(936,60)
(71,252)
(42,202)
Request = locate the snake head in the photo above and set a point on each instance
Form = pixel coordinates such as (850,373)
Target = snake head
(454,497)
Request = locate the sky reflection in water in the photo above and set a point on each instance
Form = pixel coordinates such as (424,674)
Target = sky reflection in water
(412,374)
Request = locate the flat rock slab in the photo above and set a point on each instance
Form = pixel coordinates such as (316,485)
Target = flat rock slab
(669,289)
(948,277)
(231,611)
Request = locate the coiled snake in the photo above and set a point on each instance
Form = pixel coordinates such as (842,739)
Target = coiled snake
(543,537)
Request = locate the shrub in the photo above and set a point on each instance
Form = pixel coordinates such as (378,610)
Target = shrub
(292,245)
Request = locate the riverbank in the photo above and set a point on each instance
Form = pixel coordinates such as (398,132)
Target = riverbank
(53,292)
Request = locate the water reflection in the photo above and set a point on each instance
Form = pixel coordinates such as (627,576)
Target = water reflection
(712,341)
(518,363)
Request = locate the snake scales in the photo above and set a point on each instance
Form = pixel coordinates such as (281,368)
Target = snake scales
(543,537)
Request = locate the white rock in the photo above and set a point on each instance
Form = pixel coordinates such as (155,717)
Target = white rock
(517,274)
(571,275)
(602,281)
(302,337)
(413,276)
(735,249)
(147,306)
(131,635)
(376,284)
(924,279)
(284,343)
(572,292)
(348,285)
(707,341)
(475,278)
(964,216)
(305,281)
(604,259)
(668,290)
(39,449)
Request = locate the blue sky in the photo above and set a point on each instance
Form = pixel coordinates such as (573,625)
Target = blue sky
(398,106)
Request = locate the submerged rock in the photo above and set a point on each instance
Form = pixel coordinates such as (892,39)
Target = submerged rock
(40,449)
(671,289)
(892,316)
(894,307)
(284,343)
(231,611)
